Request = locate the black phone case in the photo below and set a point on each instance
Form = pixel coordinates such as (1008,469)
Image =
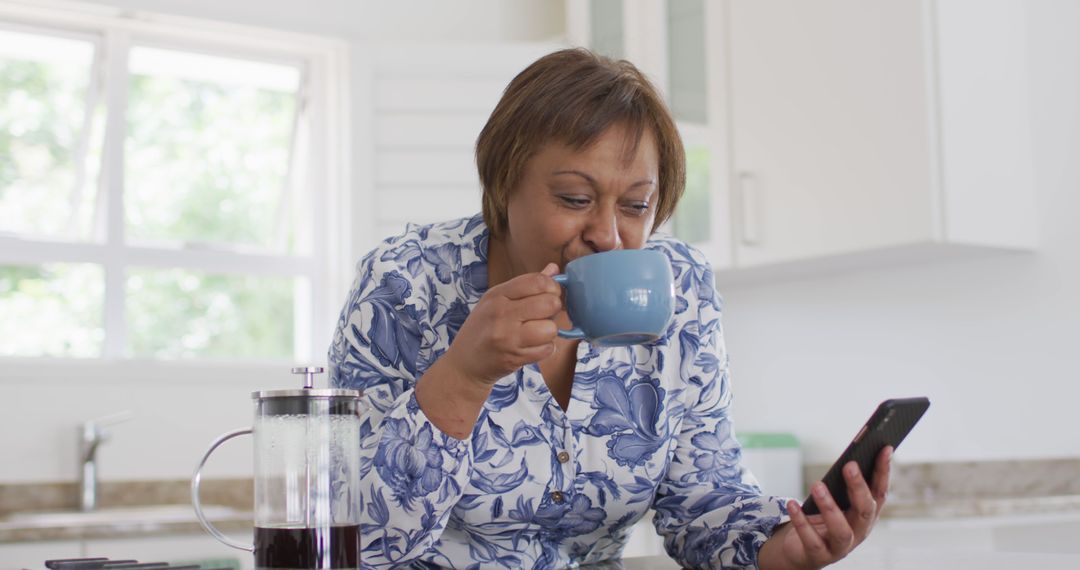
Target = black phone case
(889,425)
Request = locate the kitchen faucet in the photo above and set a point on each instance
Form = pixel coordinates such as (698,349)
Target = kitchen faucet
(92,433)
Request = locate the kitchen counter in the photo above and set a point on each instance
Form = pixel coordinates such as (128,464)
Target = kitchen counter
(989,491)
(978,488)
(896,559)
(953,559)
(48,512)
(149,520)
(1067,505)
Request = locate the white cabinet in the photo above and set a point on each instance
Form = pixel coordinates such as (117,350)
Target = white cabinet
(852,130)
(830,137)
(867,125)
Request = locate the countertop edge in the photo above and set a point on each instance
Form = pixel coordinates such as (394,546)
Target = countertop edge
(13,533)
(948,509)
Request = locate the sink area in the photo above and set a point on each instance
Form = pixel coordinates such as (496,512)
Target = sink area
(117,516)
(31,512)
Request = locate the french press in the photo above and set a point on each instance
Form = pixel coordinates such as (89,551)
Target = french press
(307,485)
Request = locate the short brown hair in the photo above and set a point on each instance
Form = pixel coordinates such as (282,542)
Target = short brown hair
(572,96)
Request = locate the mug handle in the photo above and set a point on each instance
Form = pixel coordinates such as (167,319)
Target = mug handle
(196,480)
(575,333)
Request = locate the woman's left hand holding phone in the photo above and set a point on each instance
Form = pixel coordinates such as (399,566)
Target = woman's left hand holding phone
(814,541)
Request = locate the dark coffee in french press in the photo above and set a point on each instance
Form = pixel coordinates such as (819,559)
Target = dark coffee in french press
(335,547)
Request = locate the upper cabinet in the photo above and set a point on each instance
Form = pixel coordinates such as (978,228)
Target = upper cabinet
(839,131)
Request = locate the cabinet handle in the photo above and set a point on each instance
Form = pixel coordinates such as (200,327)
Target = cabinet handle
(748,198)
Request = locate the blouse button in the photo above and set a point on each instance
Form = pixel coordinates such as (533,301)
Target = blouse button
(563,457)
(557,496)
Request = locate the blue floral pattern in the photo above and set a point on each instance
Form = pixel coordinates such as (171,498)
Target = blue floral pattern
(537,486)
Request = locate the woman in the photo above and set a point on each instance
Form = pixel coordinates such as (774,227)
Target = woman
(492,442)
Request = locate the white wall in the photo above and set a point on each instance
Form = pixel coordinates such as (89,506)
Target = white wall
(992,341)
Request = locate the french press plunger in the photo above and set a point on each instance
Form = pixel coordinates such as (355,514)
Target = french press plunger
(307,486)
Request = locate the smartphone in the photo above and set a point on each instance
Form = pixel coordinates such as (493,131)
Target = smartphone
(889,425)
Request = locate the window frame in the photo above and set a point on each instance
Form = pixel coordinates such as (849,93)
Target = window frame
(324,92)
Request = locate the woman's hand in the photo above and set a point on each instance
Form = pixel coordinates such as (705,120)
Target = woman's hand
(813,541)
(510,327)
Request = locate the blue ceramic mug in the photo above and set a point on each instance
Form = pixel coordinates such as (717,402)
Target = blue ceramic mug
(619,298)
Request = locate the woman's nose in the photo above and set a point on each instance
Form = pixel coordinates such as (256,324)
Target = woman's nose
(602,233)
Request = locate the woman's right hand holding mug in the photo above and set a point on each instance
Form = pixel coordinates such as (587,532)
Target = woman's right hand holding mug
(511,326)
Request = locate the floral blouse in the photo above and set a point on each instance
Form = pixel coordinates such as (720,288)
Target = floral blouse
(535,486)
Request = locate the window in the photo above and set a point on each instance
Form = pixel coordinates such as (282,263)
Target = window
(693,219)
(164,189)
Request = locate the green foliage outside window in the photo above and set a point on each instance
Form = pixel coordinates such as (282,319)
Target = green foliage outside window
(42,115)
(51,310)
(179,314)
(693,216)
(204,162)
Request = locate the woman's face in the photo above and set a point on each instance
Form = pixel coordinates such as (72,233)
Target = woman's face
(572,203)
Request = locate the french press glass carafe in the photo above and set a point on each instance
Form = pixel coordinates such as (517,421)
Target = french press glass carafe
(307,486)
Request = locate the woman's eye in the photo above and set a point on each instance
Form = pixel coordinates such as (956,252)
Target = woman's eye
(574,202)
(638,208)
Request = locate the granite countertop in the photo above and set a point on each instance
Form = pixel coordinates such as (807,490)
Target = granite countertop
(47,511)
(971,489)
(120,522)
(1067,505)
